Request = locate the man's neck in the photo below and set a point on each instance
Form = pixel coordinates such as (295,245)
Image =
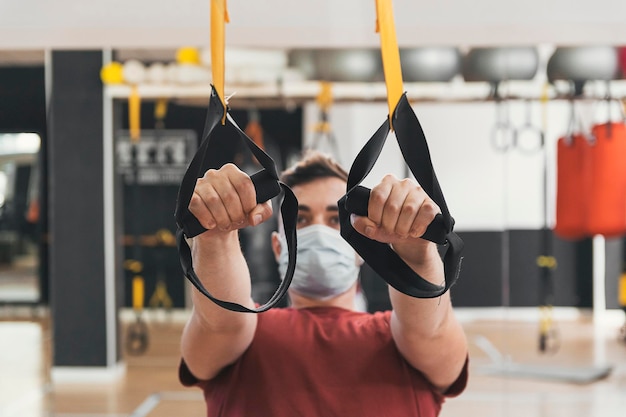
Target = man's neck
(344,300)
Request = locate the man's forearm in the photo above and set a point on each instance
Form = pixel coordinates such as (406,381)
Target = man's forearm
(425,330)
(421,315)
(220,265)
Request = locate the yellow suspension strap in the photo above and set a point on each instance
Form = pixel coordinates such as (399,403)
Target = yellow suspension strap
(219,18)
(161,297)
(386,27)
(137,332)
(322,129)
(163,237)
(134,114)
(548,334)
(414,147)
(549,340)
(266,182)
(160,112)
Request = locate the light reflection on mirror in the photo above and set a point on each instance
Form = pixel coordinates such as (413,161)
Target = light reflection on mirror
(19,217)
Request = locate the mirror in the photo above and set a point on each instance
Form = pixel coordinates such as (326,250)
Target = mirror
(19,218)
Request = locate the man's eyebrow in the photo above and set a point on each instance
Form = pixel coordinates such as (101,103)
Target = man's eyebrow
(304,207)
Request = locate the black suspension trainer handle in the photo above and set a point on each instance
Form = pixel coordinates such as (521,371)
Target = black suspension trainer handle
(380,256)
(266,184)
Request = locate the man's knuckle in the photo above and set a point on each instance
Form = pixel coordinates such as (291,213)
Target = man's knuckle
(410,207)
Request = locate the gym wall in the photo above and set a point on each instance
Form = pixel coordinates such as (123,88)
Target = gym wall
(143,24)
(496,197)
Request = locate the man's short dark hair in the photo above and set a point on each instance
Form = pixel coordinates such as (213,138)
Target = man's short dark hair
(312,166)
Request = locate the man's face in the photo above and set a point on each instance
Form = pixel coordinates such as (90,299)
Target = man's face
(317,202)
(317,205)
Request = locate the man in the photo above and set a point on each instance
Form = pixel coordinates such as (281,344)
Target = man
(319,357)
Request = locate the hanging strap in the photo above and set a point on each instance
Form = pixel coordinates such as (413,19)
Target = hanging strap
(414,148)
(385,25)
(379,255)
(219,18)
(266,184)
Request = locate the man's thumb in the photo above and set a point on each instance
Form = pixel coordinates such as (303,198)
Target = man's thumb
(260,213)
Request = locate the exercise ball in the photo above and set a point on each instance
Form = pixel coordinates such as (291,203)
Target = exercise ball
(134,71)
(156,73)
(348,65)
(430,64)
(500,64)
(303,60)
(583,63)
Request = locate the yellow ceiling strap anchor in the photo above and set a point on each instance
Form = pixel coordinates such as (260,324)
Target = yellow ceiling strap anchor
(390,54)
(134,114)
(219,18)
(137,332)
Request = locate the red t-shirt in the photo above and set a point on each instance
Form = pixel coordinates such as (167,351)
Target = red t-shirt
(321,361)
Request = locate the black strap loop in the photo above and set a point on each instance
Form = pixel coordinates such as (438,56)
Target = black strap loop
(267,186)
(379,255)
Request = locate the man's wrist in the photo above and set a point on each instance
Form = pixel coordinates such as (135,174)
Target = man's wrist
(423,257)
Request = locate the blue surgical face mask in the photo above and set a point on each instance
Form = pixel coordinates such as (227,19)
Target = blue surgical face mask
(326,264)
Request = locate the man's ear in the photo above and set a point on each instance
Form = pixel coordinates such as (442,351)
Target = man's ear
(276,247)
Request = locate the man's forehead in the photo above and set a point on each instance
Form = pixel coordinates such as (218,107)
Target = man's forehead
(321,188)
(306,208)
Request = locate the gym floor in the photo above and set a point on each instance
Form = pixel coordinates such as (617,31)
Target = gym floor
(538,384)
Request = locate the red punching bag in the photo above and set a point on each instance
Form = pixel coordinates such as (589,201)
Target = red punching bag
(607,196)
(573,185)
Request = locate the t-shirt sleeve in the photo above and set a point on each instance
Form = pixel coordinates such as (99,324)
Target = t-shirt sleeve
(185,376)
(460,384)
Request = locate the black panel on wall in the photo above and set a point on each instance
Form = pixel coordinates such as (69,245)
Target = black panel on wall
(571,279)
(480,281)
(76,203)
(479,284)
(486,281)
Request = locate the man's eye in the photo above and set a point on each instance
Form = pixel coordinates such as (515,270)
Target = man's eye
(302,220)
(334,220)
